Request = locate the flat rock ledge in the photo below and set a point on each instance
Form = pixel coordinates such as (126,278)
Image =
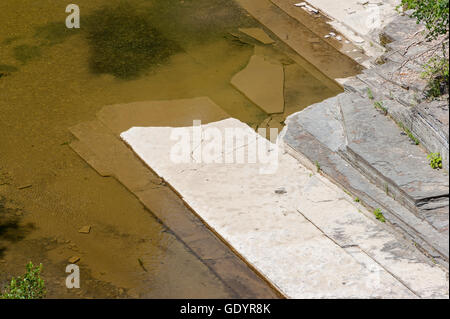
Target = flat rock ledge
(301,232)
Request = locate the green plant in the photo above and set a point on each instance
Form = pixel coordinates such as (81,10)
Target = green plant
(408,132)
(28,286)
(379,215)
(317,166)
(436,72)
(379,106)
(434,13)
(357,200)
(370,94)
(435,160)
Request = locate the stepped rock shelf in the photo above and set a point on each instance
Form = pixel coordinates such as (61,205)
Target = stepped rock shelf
(359,148)
(369,153)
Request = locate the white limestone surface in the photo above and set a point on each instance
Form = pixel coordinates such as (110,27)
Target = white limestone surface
(359,20)
(302,233)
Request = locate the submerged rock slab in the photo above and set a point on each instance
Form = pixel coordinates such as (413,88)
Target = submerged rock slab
(321,54)
(257,34)
(300,90)
(262,81)
(318,24)
(310,240)
(179,112)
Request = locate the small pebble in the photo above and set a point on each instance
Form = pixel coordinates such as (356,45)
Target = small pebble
(85,230)
(74,259)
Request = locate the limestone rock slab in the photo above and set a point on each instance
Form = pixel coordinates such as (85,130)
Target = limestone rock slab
(275,232)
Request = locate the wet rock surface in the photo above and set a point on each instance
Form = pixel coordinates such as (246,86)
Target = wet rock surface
(262,81)
(303,41)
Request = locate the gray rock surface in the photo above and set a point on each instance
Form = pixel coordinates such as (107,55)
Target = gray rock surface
(388,157)
(320,133)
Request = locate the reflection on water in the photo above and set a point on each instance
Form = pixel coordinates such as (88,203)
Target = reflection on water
(52,78)
(169,48)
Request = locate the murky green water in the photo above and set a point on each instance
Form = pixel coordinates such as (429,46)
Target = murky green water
(52,78)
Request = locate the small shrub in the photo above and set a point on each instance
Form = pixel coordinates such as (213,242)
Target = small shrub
(436,72)
(435,160)
(28,286)
(434,13)
(379,215)
(357,199)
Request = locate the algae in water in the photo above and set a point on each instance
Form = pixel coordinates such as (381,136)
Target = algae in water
(124,42)
(25,52)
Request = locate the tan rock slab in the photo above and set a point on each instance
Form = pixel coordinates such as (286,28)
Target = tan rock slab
(262,81)
(179,112)
(74,259)
(85,230)
(257,34)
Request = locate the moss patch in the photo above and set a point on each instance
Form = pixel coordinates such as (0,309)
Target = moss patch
(6,69)
(54,33)
(24,53)
(10,40)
